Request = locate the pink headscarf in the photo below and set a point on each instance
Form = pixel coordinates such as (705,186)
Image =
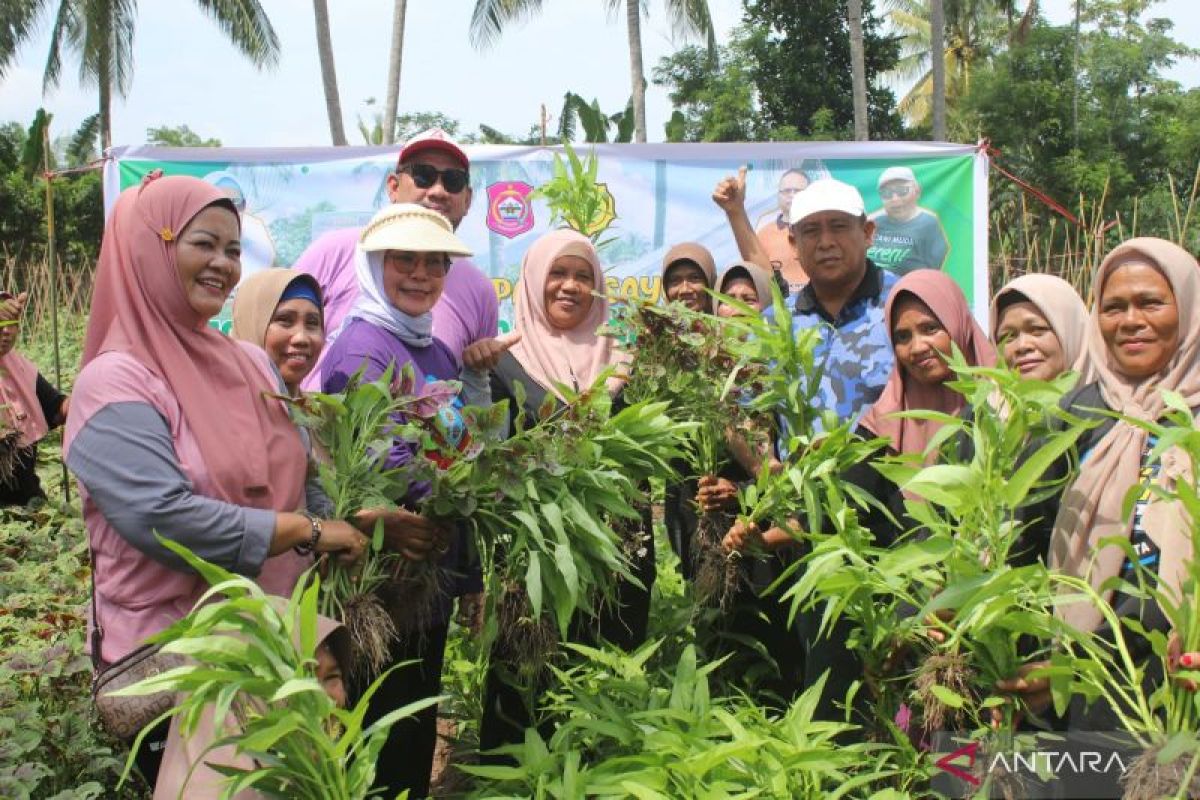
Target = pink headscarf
(1092,508)
(945,299)
(549,355)
(18,394)
(251,448)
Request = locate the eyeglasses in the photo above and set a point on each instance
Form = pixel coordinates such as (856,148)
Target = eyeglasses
(405,262)
(789,192)
(888,193)
(453,180)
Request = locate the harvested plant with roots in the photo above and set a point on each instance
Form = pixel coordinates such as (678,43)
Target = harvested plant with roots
(357,430)
(942,682)
(717,573)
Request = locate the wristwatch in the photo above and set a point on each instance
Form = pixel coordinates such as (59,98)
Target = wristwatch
(307,547)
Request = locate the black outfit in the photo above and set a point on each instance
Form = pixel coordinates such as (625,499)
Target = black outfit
(406,757)
(830,654)
(680,516)
(758,625)
(1088,403)
(623,623)
(23,485)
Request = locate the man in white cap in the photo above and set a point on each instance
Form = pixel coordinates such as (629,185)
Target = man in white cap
(844,298)
(845,292)
(907,237)
(433,171)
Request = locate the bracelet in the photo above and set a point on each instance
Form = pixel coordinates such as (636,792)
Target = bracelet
(307,547)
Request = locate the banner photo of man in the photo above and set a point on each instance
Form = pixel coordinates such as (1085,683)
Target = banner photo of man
(658,196)
(907,236)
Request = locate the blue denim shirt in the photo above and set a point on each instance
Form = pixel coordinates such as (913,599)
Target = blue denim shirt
(855,348)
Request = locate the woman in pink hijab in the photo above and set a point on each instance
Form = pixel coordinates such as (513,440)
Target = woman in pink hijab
(172,431)
(29,407)
(559,303)
(927,316)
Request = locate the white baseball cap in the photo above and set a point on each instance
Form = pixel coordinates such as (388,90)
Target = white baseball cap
(895,174)
(827,194)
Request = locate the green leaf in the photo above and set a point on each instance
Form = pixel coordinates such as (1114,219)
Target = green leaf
(948,485)
(533,583)
(948,696)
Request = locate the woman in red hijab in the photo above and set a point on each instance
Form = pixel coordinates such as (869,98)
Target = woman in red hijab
(29,407)
(173,431)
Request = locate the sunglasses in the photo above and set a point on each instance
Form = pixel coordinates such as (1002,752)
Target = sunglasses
(889,192)
(453,180)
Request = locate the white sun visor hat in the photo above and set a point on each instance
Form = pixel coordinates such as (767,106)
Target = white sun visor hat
(826,195)
(411,227)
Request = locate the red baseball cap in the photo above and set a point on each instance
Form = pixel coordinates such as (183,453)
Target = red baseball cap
(433,139)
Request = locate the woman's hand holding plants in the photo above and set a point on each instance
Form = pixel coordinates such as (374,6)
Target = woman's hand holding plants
(1177,660)
(342,540)
(411,535)
(741,536)
(716,494)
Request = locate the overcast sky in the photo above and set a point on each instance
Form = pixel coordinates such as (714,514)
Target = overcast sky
(185,72)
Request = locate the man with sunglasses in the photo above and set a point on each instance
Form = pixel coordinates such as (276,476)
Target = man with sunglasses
(907,237)
(432,170)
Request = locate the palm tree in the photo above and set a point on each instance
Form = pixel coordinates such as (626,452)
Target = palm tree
(937,46)
(858,70)
(974,31)
(101,32)
(392,98)
(333,103)
(688,18)
(18,19)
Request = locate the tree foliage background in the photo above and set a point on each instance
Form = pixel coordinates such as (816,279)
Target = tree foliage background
(1112,139)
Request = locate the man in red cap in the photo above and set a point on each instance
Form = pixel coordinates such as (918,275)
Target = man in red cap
(432,170)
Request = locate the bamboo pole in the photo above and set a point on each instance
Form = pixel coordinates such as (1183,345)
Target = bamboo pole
(52,259)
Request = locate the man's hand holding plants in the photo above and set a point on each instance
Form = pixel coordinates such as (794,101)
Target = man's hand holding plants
(716,494)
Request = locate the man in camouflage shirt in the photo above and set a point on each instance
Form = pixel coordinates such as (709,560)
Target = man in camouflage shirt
(845,296)
(845,292)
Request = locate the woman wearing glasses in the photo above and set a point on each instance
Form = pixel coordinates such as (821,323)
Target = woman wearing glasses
(401,263)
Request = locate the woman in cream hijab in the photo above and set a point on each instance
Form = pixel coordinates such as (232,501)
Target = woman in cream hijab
(1143,337)
(1039,323)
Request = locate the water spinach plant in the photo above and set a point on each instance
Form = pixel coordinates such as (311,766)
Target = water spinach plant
(252,675)
(542,504)
(356,431)
(698,364)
